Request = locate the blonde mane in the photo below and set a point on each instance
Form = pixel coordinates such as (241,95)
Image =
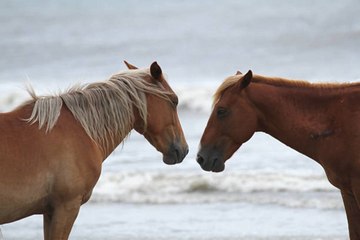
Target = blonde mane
(104,109)
(280,82)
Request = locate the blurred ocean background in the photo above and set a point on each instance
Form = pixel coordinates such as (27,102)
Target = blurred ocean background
(267,191)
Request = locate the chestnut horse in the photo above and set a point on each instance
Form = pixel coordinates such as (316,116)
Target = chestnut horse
(321,121)
(52,147)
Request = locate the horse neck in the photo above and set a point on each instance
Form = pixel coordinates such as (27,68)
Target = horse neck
(107,150)
(298,117)
(137,124)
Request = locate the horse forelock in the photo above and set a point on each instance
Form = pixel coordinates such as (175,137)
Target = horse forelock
(104,109)
(228,82)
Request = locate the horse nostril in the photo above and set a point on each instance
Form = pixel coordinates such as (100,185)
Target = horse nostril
(200,159)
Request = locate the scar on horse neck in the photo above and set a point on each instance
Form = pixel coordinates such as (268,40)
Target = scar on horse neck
(323,134)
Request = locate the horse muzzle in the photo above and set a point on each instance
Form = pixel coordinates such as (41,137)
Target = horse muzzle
(210,160)
(175,154)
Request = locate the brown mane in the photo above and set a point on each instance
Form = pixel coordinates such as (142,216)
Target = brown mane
(279,82)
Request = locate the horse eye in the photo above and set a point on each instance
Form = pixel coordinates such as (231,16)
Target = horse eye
(221,112)
(175,101)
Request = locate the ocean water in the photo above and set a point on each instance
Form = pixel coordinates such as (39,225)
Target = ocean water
(267,191)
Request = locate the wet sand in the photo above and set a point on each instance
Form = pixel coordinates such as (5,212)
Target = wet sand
(115,221)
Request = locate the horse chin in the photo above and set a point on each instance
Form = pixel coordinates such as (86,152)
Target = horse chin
(216,166)
(219,167)
(170,159)
(175,154)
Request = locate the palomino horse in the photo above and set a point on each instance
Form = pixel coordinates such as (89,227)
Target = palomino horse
(318,120)
(52,147)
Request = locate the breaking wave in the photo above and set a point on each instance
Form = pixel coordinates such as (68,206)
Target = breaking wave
(288,189)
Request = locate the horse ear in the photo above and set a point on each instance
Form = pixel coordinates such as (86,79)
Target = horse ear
(246,79)
(129,66)
(156,71)
(238,73)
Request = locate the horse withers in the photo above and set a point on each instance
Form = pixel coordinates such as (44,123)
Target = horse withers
(52,147)
(319,120)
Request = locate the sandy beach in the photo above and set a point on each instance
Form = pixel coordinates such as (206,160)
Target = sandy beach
(176,221)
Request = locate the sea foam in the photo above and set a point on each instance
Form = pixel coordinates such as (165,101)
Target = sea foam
(289,189)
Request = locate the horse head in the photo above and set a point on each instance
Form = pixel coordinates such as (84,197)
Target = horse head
(232,122)
(162,129)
